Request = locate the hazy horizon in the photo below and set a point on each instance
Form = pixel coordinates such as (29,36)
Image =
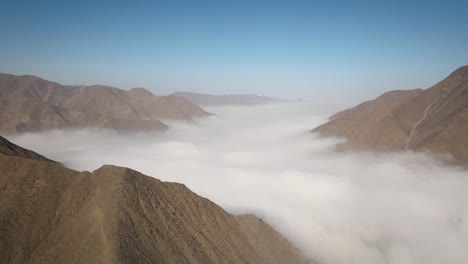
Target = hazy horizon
(336,51)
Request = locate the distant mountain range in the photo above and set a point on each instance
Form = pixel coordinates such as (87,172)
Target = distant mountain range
(234,99)
(29,103)
(433,120)
(51,214)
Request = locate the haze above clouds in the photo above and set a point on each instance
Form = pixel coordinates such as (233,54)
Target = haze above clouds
(336,51)
(337,207)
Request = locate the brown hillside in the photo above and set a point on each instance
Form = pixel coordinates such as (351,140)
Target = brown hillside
(20,115)
(51,214)
(433,120)
(107,102)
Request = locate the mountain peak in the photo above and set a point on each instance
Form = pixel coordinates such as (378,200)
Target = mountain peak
(462,71)
(140,91)
(52,214)
(54,106)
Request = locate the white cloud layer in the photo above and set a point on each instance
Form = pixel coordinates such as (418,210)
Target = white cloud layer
(398,208)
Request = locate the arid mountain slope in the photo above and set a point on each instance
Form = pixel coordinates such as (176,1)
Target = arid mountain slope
(433,120)
(51,214)
(33,88)
(98,99)
(21,115)
(9,149)
(371,124)
(234,99)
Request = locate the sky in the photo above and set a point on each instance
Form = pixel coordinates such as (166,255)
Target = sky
(343,51)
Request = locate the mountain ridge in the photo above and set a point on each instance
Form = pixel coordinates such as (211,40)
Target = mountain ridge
(52,214)
(115,106)
(434,120)
(227,99)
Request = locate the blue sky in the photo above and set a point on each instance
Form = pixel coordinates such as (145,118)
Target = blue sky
(317,50)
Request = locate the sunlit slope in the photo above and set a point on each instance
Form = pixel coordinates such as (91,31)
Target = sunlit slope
(433,120)
(51,214)
(29,103)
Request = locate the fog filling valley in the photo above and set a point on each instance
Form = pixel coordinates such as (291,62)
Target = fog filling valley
(336,207)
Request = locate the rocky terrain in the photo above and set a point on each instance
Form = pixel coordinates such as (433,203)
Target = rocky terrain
(29,103)
(234,99)
(433,120)
(51,214)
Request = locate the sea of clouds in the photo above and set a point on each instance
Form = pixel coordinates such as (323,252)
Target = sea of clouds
(366,208)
